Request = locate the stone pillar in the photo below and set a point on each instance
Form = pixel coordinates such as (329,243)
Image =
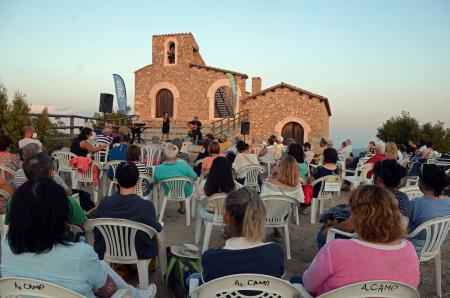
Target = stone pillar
(256,85)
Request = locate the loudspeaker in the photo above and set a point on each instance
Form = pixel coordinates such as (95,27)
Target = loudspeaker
(245,128)
(106,103)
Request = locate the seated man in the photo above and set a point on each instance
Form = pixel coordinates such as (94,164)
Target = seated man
(40,166)
(128,205)
(29,137)
(181,155)
(27,151)
(118,151)
(171,168)
(380,154)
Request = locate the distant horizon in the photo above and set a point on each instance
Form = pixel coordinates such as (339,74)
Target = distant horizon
(371,59)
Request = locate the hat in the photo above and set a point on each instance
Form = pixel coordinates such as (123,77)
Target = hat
(280,139)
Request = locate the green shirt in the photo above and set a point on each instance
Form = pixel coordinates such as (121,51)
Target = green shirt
(77,215)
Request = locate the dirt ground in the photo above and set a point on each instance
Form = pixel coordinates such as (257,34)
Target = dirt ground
(303,249)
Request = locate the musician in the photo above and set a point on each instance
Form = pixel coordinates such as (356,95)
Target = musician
(195,130)
(166,127)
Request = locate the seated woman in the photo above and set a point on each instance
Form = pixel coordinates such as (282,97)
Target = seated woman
(286,184)
(387,174)
(80,145)
(243,159)
(329,167)
(378,253)
(296,151)
(38,246)
(391,151)
(433,203)
(245,251)
(8,159)
(214,151)
(219,180)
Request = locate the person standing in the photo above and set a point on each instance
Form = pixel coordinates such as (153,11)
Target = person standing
(166,127)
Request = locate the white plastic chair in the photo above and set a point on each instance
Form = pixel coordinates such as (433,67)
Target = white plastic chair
(332,232)
(150,155)
(230,286)
(141,187)
(218,200)
(119,236)
(251,174)
(176,193)
(7,173)
(360,175)
(411,181)
(372,288)
(101,156)
(3,227)
(436,232)
(61,160)
(411,191)
(20,287)
(278,212)
(87,178)
(255,150)
(324,193)
(112,165)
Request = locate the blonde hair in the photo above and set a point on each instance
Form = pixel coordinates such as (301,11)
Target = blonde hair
(375,215)
(391,150)
(248,213)
(288,172)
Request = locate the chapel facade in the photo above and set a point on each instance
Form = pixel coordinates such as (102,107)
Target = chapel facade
(180,83)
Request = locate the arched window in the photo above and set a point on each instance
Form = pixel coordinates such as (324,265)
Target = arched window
(164,103)
(223,103)
(171,51)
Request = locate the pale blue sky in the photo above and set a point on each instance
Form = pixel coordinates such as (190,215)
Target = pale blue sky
(372,59)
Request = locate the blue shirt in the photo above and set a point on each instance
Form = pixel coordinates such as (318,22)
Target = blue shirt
(118,152)
(266,259)
(424,209)
(303,169)
(75,266)
(319,173)
(171,170)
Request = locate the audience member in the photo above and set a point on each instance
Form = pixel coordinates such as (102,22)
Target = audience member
(309,153)
(118,151)
(171,168)
(322,146)
(38,245)
(128,205)
(329,167)
(280,148)
(7,159)
(371,148)
(29,136)
(267,154)
(202,155)
(133,154)
(411,148)
(433,203)
(181,155)
(80,145)
(214,151)
(346,149)
(245,251)
(380,151)
(27,151)
(377,254)
(391,151)
(224,143)
(243,159)
(296,151)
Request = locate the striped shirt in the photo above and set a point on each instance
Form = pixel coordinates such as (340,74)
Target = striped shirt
(103,139)
(141,168)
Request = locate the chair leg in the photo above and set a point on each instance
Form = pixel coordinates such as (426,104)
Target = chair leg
(142,267)
(193,207)
(95,196)
(314,203)
(163,207)
(155,198)
(321,203)
(198,228)
(287,241)
(437,266)
(188,211)
(110,190)
(297,217)
(208,231)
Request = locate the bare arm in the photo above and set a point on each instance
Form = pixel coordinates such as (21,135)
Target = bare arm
(85,145)
(6,186)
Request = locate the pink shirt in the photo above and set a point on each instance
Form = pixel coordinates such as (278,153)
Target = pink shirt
(343,262)
(207,162)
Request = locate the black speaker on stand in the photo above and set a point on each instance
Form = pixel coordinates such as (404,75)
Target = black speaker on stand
(106,103)
(245,128)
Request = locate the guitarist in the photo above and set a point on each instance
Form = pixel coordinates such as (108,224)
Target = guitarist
(195,130)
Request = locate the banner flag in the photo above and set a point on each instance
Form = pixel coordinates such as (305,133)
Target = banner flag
(121,94)
(233,85)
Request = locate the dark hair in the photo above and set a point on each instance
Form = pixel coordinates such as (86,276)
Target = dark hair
(430,144)
(177,142)
(390,172)
(133,153)
(271,140)
(422,143)
(432,177)
(116,140)
(323,142)
(209,136)
(127,174)
(214,148)
(125,138)
(241,146)
(296,151)
(307,145)
(84,133)
(38,217)
(38,165)
(330,155)
(220,177)
(5,142)
(401,148)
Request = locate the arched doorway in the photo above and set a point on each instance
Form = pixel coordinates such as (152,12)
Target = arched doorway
(164,103)
(293,130)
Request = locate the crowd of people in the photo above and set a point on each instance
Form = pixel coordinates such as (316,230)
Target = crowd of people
(39,242)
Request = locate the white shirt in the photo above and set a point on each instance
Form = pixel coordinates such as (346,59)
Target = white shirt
(244,159)
(296,193)
(309,154)
(25,141)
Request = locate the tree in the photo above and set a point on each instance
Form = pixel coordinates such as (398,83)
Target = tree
(3,108)
(402,128)
(17,118)
(43,126)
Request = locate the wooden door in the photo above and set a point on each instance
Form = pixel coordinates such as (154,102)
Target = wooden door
(293,130)
(164,103)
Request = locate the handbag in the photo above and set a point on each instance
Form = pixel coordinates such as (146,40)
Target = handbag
(308,192)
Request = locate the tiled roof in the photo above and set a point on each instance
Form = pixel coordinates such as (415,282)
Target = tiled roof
(219,70)
(171,34)
(285,85)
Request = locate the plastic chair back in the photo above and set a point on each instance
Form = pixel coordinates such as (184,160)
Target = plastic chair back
(324,193)
(143,182)
(176,187)
(278,209)
(61,161)
(412,191)
(88,176)
(7,173)
(255,150)
(150,155)
(219,201)
(102,155)
(251,174)
(20,287)
(234,285)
